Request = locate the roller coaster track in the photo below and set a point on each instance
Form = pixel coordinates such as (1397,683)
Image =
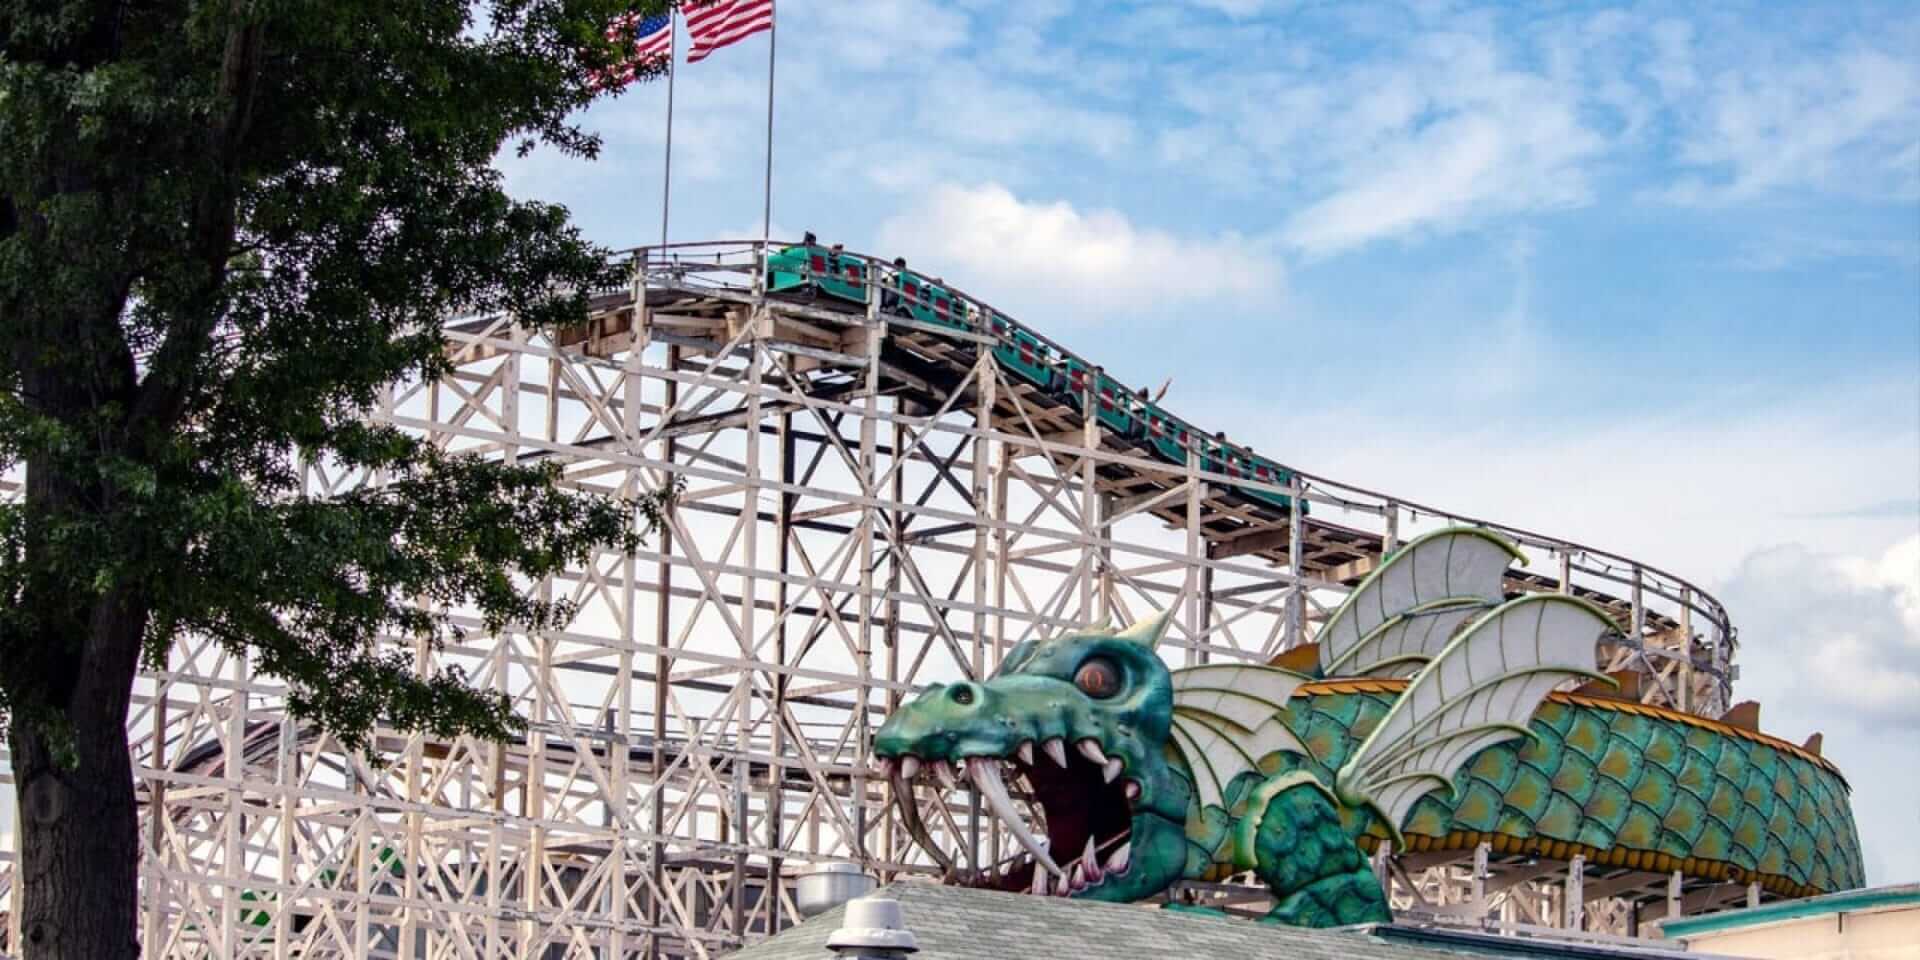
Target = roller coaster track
(1661,614)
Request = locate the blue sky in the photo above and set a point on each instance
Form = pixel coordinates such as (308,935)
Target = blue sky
(1646,276)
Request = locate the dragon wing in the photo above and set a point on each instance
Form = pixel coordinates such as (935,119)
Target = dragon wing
(1481,690)
(1226,717)
(1404,644)
(1409,606)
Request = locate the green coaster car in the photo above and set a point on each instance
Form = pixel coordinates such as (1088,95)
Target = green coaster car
(811,268)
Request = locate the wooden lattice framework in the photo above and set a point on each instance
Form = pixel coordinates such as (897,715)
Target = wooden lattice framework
(870,505)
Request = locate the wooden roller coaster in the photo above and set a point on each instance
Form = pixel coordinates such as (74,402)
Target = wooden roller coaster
(887,483)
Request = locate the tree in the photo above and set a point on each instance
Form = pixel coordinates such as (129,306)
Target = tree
(224,226)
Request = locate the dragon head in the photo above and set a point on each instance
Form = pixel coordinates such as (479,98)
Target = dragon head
(1083,720)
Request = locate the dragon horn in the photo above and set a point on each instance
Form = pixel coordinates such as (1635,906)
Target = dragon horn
(1148,630)
(1103,625)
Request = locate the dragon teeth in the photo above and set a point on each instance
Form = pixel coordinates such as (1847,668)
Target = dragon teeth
(1091,750)
(986,776)
(1089,865)
(1111,770)
(909,765)
(1117,861)
(910,815)
(884,767)
(944,771)
(1026,752)
(1133,789)
(1077,877)
(1057,749)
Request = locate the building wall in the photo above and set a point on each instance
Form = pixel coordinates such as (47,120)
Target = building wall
(1889,934)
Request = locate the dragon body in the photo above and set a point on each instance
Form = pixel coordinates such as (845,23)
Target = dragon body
(1438,721)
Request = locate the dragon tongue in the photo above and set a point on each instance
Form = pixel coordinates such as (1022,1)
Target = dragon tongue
(985,774)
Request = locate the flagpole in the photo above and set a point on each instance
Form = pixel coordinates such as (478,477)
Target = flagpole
(666,178)
(766,212)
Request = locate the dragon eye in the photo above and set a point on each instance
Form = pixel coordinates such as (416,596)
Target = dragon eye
(1098,678)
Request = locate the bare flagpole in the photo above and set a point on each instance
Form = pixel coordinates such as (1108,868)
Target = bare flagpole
(666,179)
(766,212)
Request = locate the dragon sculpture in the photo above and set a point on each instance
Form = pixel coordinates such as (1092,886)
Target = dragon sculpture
(1433,723)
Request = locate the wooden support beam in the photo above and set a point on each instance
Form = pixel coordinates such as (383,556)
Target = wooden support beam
(1261,542)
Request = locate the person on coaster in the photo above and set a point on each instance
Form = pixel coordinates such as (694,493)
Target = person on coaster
(890,288)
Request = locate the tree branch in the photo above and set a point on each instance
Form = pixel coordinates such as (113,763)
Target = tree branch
(163,396)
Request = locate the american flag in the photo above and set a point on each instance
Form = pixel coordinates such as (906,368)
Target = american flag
(653,37)
(716,24)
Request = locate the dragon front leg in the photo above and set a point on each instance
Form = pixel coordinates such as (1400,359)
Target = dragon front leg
(1307,858)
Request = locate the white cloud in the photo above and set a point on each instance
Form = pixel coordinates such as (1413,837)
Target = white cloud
(1076,264)
(1842,122)
(882,33)
(1672,64)
(1513,358)
(1432,132)
(1208,153)
(1694,490)
(1239,9)
(1820,244)
(1446,140)
(1833,639)
(967,105)
(1375,131)
(1454,172)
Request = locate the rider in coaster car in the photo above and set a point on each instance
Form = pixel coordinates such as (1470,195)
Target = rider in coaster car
(890,290)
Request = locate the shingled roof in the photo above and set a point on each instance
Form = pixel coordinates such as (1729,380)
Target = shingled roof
(956,923)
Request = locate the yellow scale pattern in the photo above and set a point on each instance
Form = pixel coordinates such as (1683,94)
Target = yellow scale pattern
(1622,784)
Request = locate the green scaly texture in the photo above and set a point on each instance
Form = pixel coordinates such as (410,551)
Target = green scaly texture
(1606,777)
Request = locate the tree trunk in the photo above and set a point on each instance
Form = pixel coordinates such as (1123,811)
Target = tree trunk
(77,880)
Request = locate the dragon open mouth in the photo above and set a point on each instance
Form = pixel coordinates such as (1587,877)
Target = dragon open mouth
(1081,794)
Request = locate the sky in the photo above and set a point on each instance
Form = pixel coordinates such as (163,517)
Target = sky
(1641,276)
